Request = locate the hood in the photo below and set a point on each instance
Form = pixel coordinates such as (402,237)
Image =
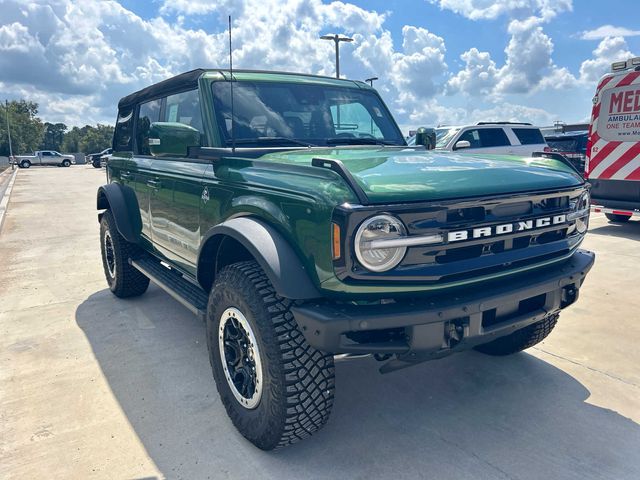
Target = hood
(403,174)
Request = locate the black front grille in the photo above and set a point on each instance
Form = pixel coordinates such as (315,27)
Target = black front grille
(473,257)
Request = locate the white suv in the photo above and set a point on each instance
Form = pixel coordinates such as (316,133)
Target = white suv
(491,137)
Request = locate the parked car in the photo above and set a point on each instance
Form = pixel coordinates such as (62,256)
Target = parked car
(573,145)
(104,159)
(45,157)
(613,151)
(491,138)
(299,225)
(94,158)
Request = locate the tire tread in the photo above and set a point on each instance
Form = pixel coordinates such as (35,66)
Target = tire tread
(521,339)
(308,374)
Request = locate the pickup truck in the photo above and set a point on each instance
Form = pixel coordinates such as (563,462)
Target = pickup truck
(44,157)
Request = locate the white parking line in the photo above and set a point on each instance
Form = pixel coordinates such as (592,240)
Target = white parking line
(4,203)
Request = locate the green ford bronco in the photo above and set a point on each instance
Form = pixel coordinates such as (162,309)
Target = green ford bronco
(288,213)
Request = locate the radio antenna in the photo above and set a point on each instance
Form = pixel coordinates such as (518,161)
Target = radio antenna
(233,117)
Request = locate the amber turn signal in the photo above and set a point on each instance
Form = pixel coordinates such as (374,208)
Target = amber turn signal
(336,241)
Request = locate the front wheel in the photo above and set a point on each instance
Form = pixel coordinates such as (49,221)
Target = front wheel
(520,339)
(275,387)
(25,164)
(124,280)
(616,218)
(96,164)
(66,163)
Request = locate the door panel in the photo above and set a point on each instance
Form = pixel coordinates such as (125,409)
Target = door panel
(139,175)
(176,192)
(45,158)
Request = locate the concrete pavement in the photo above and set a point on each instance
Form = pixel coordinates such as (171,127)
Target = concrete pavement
(92,386)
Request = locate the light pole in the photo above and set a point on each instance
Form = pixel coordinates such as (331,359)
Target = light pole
(337,39)
(6,106)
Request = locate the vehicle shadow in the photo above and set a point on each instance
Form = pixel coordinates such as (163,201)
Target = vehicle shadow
(464,417)
(629,230)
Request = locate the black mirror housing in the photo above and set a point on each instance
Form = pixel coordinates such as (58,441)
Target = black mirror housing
(426,137)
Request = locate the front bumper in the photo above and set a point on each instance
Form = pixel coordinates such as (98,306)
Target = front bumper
(438,326)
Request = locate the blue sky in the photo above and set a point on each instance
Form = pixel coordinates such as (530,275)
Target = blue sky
(526,60)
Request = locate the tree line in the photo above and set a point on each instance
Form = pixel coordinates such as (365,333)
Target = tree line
(30,133)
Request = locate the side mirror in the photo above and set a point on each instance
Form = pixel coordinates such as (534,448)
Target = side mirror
(462,144)
(426,137)
(172,138)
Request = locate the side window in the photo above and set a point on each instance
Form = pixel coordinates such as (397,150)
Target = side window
(493,137)
(46,154)
(471,136)
(148,113)
(123,133)
(184,108)
(528,136)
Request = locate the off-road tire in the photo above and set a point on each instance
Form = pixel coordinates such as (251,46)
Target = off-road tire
(520,339)
(298,380)
(66,163)
(25,164)
(615,218)
(96,163)
(126,281)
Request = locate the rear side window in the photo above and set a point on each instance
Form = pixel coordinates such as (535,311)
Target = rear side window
(123,133)
(529,136)
(148,113)
(485,137)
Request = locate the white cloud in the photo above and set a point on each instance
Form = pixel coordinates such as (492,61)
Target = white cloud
(528,67)
(609,50)
(608,31)
(478,77)
(528,56)
(492,9)
(96,51)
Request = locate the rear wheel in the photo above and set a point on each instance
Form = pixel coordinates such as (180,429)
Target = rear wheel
(124,280)
(616,218)
(25,164)
(520,339)
(275,387)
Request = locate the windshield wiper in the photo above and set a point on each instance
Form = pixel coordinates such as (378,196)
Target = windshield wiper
(358,141)
(290,141)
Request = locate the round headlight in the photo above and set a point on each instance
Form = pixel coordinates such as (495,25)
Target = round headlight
(583,204)
(374,243)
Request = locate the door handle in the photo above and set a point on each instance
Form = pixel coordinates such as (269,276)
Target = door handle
(153,184)
(125,176)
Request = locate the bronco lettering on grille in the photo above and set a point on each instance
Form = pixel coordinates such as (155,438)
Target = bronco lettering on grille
(490,231)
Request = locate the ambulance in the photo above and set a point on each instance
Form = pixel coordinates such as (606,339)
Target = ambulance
(613,150)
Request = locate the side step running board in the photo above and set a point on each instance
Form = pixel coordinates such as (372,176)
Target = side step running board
(185,292)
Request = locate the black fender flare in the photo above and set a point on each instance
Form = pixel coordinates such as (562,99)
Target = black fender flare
(122,202)
(272,252)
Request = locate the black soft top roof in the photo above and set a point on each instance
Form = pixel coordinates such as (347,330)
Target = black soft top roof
(185,80)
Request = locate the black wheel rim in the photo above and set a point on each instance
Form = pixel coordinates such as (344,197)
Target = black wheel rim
(109,254)
(240,358)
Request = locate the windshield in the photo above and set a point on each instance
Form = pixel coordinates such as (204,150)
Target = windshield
(444,136)
(285,114)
